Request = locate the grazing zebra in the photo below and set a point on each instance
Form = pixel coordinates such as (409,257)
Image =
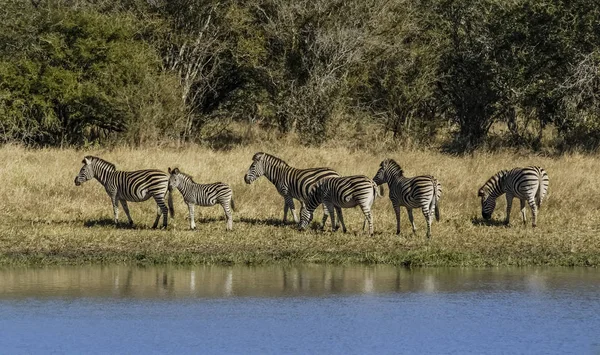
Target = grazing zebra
(422,192)
(338,193)
(202,195)
(123,186)
(528,184)
(291,183)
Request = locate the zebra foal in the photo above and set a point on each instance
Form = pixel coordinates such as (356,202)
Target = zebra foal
(422,192)
(202,195)
(529,185)
(133,186)
(341,192)
(291,183)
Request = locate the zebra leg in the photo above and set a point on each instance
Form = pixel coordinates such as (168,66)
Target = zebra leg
(289,205)
(161,210)
(368,218)
(126,209)
(427,213)
(509,199)
(341,218)
(330,208)
(338,210)
(534,212)
(523,216)
(397,212)
(325,215)
(227,208)
(412,220)
(191,207)
(115,204)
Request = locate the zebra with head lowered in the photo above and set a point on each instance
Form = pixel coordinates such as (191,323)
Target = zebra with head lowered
(422,192)
(529,185)
(133,186)
(291,183)
(202,195)
(341,192)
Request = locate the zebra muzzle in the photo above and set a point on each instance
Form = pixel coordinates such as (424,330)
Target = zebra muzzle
(77,182)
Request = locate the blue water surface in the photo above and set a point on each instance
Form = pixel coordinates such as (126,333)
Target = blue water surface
(488,312)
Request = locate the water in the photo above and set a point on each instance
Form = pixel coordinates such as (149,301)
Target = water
(304,309)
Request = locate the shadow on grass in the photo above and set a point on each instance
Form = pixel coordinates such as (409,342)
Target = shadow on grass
(268,222)
(207,219)
(107,222)
(488,222)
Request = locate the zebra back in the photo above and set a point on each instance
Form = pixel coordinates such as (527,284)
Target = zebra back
(298,183)
(340,190)
(200,194)
(523,183)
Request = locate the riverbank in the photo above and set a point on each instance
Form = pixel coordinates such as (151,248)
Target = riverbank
(46,219)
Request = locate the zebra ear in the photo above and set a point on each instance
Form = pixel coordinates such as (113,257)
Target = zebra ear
(169,170)
(86,161)
(257,156)
(480,193)
(176,171)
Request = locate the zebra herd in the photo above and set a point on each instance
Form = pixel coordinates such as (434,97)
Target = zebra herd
(312,187)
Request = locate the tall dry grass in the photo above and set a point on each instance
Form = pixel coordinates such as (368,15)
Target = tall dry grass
(47,219)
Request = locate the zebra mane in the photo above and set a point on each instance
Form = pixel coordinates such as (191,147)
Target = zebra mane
(95,160)
(275,160)
(186,176)
(497,177)
(395,166)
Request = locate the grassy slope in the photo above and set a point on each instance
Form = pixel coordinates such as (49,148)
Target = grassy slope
(46,219)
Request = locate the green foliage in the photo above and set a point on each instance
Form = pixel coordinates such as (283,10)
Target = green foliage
(80,76)
(74,72)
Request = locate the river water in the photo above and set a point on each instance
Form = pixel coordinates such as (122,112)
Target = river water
(299,309)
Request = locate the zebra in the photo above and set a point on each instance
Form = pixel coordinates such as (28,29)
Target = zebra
(202,195)
(291,183)
(529,184)
(133,186)
(341,192)
(422,192)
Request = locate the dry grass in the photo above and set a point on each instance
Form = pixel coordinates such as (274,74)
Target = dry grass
(47,219)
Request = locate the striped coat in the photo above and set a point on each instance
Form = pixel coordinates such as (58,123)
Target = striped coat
(291,183)
(133,186)
(341,192)
(529,185)
(422,192)
(202,195)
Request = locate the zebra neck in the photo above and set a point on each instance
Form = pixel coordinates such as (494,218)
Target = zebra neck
(104,176)
(186,187)
(313,202)
(276,173)
(396,180)
(497,187)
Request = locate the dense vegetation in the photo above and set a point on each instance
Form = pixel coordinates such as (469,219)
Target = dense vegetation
(76,72)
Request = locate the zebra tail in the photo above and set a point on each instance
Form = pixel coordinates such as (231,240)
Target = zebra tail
(170,203)
(538,194)
(233,205)
(436,200)
(377,190)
